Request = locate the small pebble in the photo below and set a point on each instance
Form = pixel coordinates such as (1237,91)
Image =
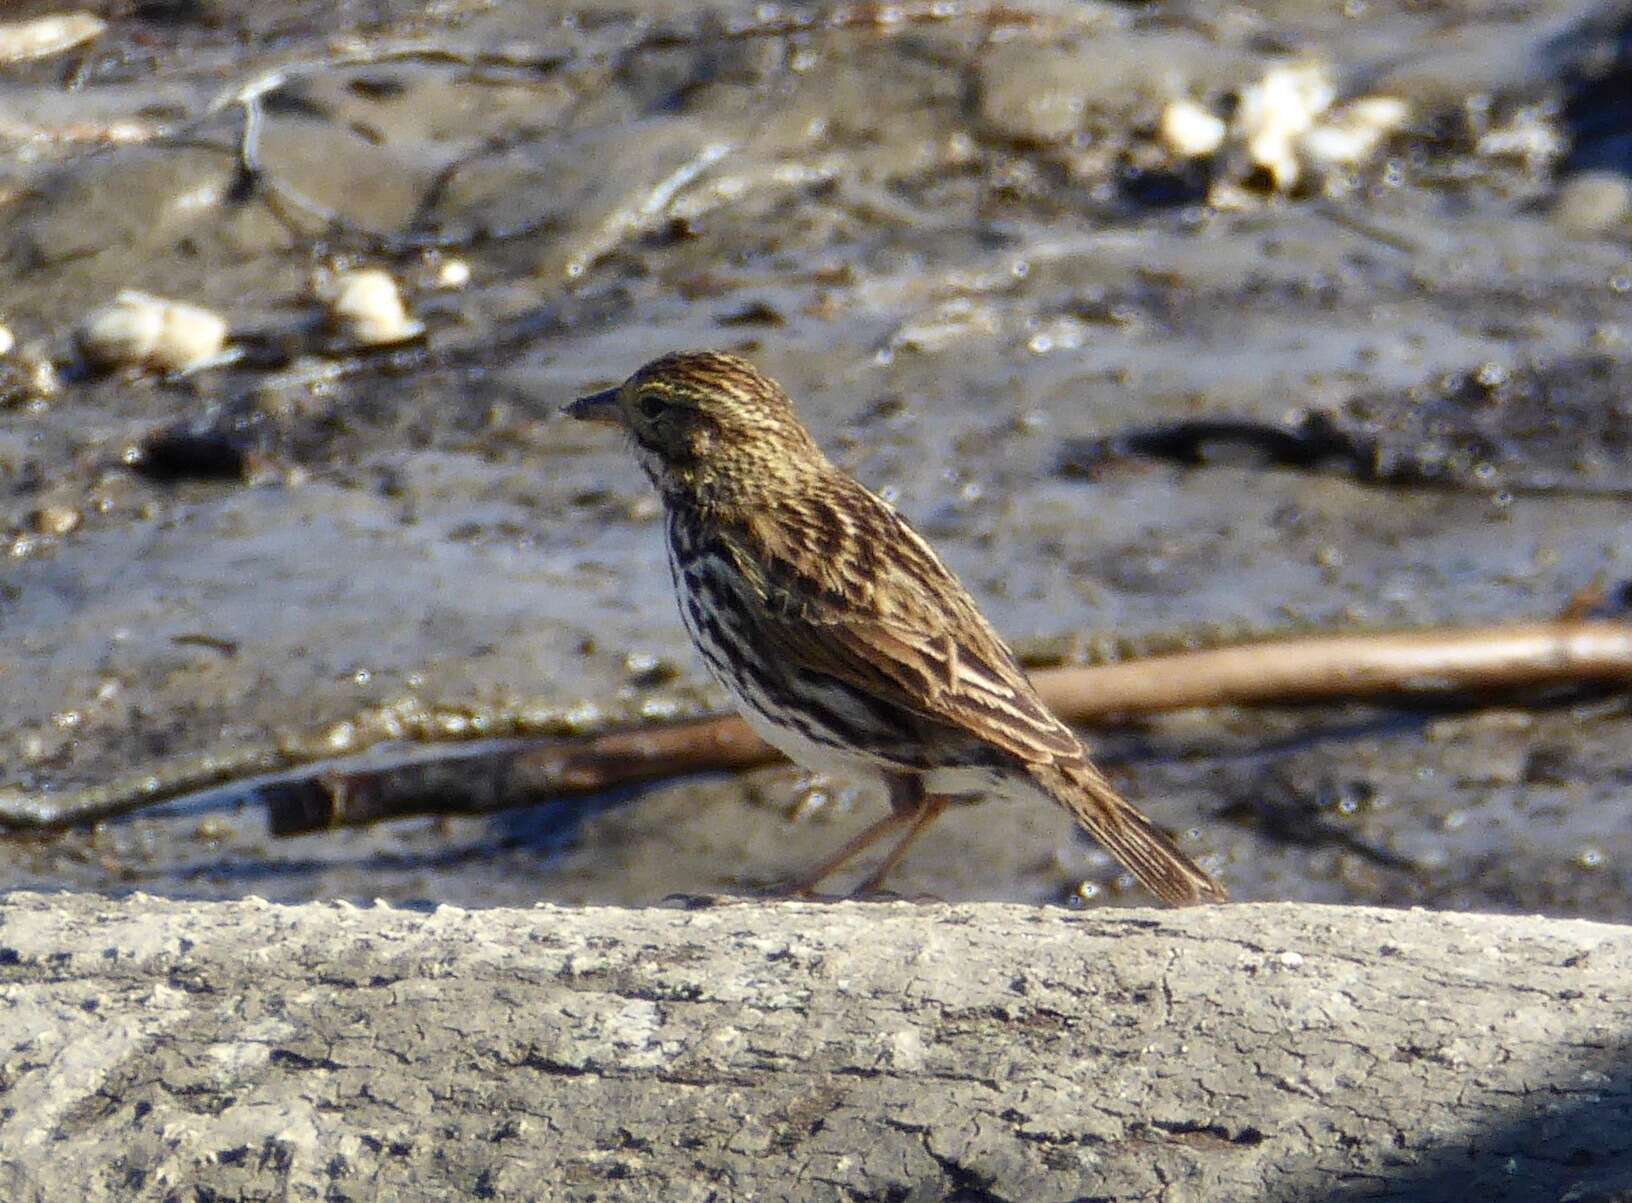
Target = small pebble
(1352,133)
(366,307)
(40,373)
(7,340)
(212,830)
(47,35)
(57,519)
(1530,135)
(1190,131)
(137,328)
(1276,111)
(1285,126)
(1592,202)
(122,332)
(452,274)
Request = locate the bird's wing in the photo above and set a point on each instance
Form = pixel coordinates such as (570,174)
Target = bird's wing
(877,610)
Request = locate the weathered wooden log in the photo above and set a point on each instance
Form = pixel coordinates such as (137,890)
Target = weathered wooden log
(156,1049)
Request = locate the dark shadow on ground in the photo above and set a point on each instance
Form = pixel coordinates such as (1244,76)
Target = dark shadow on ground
(1569,1139)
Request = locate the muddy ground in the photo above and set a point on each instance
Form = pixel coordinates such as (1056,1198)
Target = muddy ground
(954,236)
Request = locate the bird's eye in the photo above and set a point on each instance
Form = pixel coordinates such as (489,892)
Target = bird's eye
(651,407)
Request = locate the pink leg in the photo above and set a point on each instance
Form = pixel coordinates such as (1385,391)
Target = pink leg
(928,811)
(910,808)
(806,886)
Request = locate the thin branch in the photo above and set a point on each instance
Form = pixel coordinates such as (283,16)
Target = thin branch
(1399,664)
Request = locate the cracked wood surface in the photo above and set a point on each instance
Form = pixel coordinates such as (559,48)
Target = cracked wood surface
(158,1049)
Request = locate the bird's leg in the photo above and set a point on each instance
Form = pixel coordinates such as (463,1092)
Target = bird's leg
(929,808)
(909,807)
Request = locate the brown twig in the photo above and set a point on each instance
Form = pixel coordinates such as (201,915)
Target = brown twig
(1399,664)
(1425,663)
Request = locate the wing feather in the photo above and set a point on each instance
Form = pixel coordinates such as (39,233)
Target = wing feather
(879,612)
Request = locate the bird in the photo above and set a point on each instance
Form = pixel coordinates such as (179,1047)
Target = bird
(843,639)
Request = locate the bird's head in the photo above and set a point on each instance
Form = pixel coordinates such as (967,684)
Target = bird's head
(705,423)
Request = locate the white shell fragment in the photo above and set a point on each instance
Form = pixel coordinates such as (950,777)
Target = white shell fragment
(1530,135)
(1286,127)
(40,380)
(1593,202)
(7,340)
(1189,131)
(366,306)
(452,274)
(1276,112)
(137,328)
(47,35)
(1352,133)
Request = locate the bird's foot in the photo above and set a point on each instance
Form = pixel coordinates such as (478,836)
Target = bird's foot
(682,901)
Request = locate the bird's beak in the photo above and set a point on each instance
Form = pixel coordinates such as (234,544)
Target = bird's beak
(597,407)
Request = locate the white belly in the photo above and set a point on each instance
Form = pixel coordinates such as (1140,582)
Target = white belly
(821,750)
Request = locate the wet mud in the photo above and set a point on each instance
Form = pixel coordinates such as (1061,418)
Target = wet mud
(953,233)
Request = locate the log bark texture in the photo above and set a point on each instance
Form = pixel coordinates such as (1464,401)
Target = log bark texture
(158,1049)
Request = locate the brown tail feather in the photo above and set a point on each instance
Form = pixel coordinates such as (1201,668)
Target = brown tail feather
(1126,834)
